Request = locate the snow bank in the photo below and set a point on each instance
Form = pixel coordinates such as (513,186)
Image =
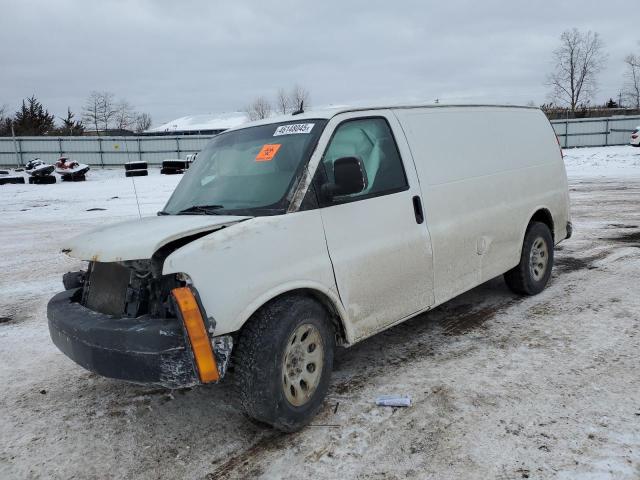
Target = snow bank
(618,161)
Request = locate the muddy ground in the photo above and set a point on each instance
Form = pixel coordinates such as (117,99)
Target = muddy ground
(502,386)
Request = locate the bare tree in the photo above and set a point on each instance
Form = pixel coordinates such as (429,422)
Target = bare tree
(298,97)
(108,110)
(5,122)
(143,122)
(283,103)
(99,110)
(124,115)
(578,60)
(631,90)
(260,108)
(91,111)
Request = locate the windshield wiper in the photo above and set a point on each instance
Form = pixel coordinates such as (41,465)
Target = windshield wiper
(201,210)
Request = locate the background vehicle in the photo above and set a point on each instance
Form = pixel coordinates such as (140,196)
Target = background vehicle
(287,238)
(635,137)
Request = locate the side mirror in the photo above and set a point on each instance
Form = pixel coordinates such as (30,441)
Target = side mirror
(349,175)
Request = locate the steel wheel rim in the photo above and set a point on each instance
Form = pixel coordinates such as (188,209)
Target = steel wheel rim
(539,258)
(302,364)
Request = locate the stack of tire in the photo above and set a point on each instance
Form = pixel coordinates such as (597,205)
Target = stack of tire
(7,178)
(174,167)
(136,169)
(42,179)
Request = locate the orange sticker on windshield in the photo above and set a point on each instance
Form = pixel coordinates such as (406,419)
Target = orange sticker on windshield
(267,152)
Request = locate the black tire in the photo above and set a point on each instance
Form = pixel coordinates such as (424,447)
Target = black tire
(135,166)
(11,180)
(74,178)
(175,164)
(136,173)
(528,277)
(259,367)
(43,179)
(170,171)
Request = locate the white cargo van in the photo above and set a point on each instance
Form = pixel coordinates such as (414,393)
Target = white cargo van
(291,236)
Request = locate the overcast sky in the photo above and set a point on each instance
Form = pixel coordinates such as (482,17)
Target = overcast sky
(175,58)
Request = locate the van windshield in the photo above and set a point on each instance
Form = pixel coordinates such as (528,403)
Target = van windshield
(246,172)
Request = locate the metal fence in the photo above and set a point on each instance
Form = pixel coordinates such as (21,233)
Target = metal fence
(103,151)
(595,132)
(108,151)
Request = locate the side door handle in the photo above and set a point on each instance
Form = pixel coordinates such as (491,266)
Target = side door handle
(417,209)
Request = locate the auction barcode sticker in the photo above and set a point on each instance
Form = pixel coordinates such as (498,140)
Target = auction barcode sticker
(293,128)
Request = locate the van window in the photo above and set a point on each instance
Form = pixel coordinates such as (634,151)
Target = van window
(370,140)
(247,171)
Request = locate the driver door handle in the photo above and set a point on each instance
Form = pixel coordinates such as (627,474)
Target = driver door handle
(417,209)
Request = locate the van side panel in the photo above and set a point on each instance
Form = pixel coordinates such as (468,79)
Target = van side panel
(484,172)
(238,269)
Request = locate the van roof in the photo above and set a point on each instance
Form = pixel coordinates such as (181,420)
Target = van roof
(332,111)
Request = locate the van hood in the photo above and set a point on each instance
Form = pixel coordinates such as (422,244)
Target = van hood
(140,239)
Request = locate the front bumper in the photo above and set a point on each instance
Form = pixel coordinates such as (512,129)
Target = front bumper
(142,350)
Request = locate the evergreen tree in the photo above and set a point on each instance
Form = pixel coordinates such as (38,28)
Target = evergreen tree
(70,127)
(33,119)
(612,104)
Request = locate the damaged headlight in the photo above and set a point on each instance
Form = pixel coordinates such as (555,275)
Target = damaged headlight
(130,288)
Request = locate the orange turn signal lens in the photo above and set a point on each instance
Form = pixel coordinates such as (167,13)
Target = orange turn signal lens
(200,343)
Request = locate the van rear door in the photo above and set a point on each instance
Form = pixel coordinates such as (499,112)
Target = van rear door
(378,243)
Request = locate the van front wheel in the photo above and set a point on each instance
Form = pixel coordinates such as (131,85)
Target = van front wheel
(283,362)
(531,275)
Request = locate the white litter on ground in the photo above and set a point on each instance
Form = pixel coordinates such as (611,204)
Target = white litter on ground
(393,401)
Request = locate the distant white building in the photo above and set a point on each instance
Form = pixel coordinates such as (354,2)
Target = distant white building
(207,124)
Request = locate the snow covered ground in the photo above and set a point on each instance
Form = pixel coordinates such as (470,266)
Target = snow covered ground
(503,387)
(619,161)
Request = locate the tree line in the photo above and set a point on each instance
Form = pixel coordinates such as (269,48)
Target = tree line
(101,114)
(285,102)
(578,60)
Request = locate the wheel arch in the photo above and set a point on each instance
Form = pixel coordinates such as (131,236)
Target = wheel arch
(543,215)
(329,300)
(539,214)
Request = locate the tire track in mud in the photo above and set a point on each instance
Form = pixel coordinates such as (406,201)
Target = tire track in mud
(463,319)
(630,239)
(570,263)
(246,463)
(567,263)
(419,338)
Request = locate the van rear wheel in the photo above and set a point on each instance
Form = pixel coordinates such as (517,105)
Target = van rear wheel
(283,362)
(532,274)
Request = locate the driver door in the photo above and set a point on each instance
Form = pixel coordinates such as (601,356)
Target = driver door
(377,239)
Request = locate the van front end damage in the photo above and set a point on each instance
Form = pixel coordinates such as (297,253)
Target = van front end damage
(125,320)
